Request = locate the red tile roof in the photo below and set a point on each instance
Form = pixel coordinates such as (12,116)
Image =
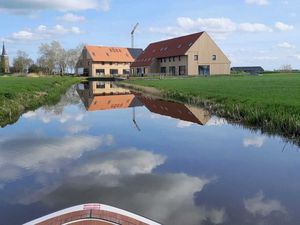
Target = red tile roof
(109,54)
(168,48)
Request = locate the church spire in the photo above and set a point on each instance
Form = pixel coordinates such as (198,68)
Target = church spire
(3,49)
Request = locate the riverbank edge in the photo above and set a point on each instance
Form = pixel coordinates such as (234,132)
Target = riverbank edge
(11,109)
(233,113)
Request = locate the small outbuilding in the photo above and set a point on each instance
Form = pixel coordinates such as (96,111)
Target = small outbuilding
(248,69)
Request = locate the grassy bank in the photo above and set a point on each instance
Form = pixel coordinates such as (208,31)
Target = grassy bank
(270,102)
(19,94)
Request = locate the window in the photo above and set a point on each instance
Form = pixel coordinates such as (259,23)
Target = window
(179,58)
(173,59)
(110,63)
(165,60)
(172,70)
(100,72)
(113,71)
(163,70)
(170,59)
(126,71)
(214,57)
(195,57)
(103,63)
(181,70)
(179,46)
(161,60)
(100,84)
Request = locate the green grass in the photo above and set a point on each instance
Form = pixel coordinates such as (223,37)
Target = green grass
(271,102)
(19,94)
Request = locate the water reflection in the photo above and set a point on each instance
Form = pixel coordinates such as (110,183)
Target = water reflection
(185,167)
(98,95)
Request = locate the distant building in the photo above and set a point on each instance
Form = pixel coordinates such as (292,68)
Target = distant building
(4,61)
(248,69)
(96,61)
(195,54)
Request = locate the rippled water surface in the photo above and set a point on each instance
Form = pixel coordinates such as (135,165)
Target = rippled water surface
(171,162)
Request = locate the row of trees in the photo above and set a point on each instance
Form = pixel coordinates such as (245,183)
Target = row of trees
(52,59)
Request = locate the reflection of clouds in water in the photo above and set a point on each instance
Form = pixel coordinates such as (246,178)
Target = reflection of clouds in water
(167,198)
(122,178)
(259,205)
(48,116)
(216,121)
(76,128)
(43,153)
(183,124)
(124,162)
(256,142)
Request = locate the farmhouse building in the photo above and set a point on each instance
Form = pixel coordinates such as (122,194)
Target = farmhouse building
(195,54)
(96,61)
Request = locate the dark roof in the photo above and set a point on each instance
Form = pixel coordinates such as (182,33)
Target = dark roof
(172,109)
(248,68)
(168,48)
(135,52)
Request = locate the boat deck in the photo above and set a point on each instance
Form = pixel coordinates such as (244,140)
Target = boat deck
(92,214)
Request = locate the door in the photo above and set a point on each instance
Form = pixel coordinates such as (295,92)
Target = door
(204,70)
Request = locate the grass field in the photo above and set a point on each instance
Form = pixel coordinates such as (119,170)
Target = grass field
(19,94)
(271,102)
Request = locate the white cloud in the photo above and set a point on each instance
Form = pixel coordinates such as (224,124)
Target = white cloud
(297,56)
(29,6)
(183,124)
(256,142)
(43,153)
(254,27)
(122,162)
(216,121)
(43,32)
(77,128)
(258,205)
(257,2)
(71,17)
(47,116)
(23,35)
(266,58)
(286,45)
(220,28)
(283,27)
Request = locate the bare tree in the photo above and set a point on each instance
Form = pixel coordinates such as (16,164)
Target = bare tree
(56,60)
(73,56)
(22,62)
(286,68)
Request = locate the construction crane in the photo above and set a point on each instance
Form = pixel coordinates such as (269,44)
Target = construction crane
(134,121)
(132,34)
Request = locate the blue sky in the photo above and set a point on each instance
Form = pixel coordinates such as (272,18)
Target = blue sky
(250,32)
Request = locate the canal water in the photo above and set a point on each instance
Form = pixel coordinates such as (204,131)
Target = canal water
(173,163)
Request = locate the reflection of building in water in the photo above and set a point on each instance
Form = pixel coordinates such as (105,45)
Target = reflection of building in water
(98,95)
(176,110)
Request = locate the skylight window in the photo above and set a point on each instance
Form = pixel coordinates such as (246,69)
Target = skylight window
(179,46)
